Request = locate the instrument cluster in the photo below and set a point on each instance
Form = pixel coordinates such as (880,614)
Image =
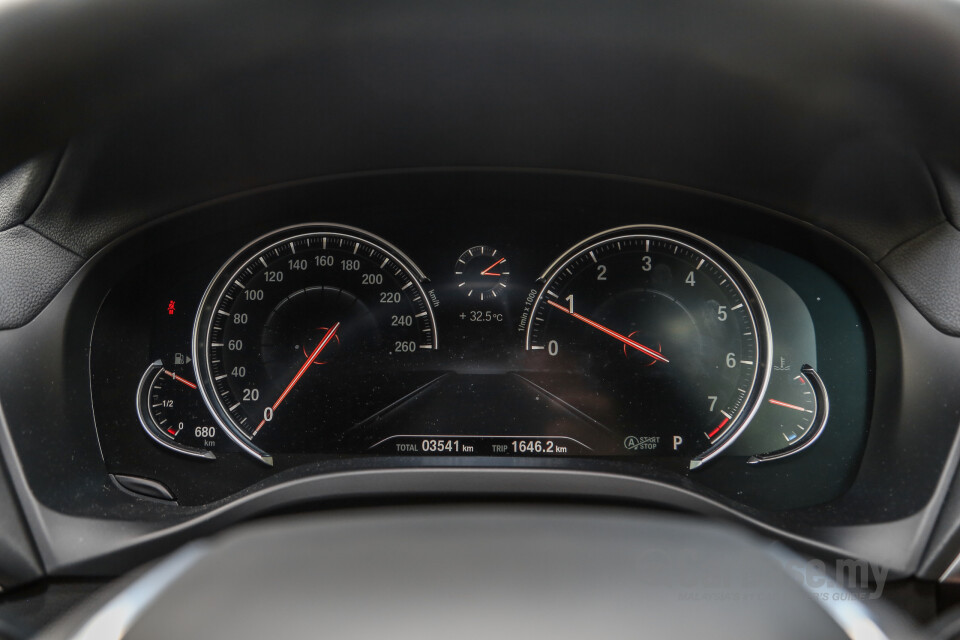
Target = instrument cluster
(645,347)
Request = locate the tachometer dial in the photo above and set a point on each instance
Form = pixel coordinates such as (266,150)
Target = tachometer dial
(303,333)
(482,273)
(658,335)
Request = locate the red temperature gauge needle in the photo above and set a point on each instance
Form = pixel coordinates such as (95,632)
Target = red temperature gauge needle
(179,379)
(610,332)
(327,337)
(486,272)
(784,404)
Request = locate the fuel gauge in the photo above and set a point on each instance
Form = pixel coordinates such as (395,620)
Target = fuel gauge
(172,412)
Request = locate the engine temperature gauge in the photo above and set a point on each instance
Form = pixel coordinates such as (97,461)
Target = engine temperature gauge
(172,412)
(482,273)
(792,417)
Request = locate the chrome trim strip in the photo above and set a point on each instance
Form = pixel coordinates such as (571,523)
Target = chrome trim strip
(951,575)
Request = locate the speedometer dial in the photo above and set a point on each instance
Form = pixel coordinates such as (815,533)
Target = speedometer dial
(302,334)
(657,334)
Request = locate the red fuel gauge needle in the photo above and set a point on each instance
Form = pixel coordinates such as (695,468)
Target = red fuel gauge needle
(179,379)
(327,337)
(486,272)
(610,332)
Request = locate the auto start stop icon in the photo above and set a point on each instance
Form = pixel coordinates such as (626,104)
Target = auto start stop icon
(637,443)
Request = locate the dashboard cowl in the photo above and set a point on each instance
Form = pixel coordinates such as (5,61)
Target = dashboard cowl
(815,110)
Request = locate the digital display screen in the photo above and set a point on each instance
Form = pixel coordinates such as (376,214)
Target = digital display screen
(318,342)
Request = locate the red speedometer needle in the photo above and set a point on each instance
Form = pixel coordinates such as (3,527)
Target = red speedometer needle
(610,332)
(784,404)
(179,379)
(486,272)
(327,337)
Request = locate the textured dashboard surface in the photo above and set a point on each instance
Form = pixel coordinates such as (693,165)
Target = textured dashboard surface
(32,270)
(22,188)
(926,267)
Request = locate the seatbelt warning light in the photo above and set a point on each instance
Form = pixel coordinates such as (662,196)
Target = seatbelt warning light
(170,307)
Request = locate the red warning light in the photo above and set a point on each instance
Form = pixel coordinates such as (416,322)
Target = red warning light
(171,307)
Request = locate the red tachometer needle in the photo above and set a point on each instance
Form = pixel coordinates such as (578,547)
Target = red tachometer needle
(327,337)
(610,332)
(179,379)
(486,272)
(784,404)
